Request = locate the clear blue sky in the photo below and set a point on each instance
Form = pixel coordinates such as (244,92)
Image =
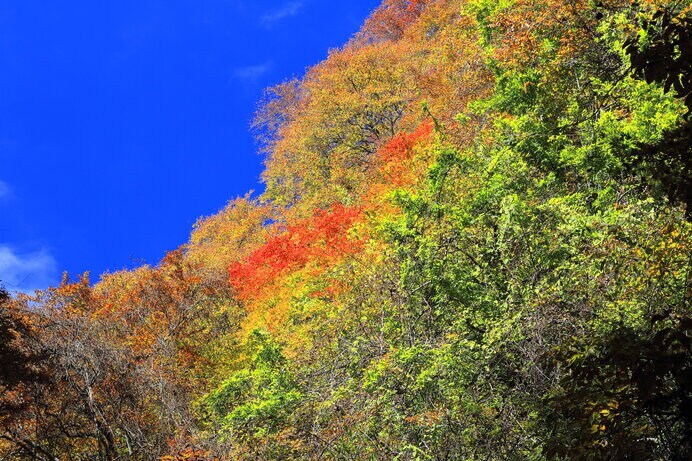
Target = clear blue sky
(122,122)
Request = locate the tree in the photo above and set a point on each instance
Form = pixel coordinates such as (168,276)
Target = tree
(24,367)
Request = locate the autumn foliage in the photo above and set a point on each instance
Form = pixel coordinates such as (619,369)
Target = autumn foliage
(322,238)
(473,244)
(391,19)
(397,153)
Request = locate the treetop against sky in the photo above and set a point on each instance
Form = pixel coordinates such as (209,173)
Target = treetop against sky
(123,123)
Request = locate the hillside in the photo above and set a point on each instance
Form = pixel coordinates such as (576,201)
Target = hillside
(474,244)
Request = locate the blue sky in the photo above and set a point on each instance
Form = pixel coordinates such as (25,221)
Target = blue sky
(122,122)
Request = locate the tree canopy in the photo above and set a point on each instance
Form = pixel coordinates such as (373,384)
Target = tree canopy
(474,244)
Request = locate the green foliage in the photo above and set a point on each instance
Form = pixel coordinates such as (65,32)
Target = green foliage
(255,402)
(661,50)
(627,395)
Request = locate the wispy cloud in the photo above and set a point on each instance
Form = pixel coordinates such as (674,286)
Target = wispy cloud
(287,10)
(251,73)
(28,271)
(5,190)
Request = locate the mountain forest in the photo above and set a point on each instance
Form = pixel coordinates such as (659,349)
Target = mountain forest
(473,243)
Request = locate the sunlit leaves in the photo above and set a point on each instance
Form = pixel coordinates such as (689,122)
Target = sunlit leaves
(464,251)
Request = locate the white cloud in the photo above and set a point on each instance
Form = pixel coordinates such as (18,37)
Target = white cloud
(289,9)
(252,72)
(28,271)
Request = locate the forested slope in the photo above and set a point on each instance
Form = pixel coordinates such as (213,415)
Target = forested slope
(474,244)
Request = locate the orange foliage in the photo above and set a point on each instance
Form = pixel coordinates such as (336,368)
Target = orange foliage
(322,238)
(227,236)
(346,107)
(529,29)
(399,151)
(321,134)
(400,147)
(391,19)
(190,454)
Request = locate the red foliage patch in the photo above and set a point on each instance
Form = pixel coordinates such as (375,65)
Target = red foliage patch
(321,238)
(399,150)
(400,147)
